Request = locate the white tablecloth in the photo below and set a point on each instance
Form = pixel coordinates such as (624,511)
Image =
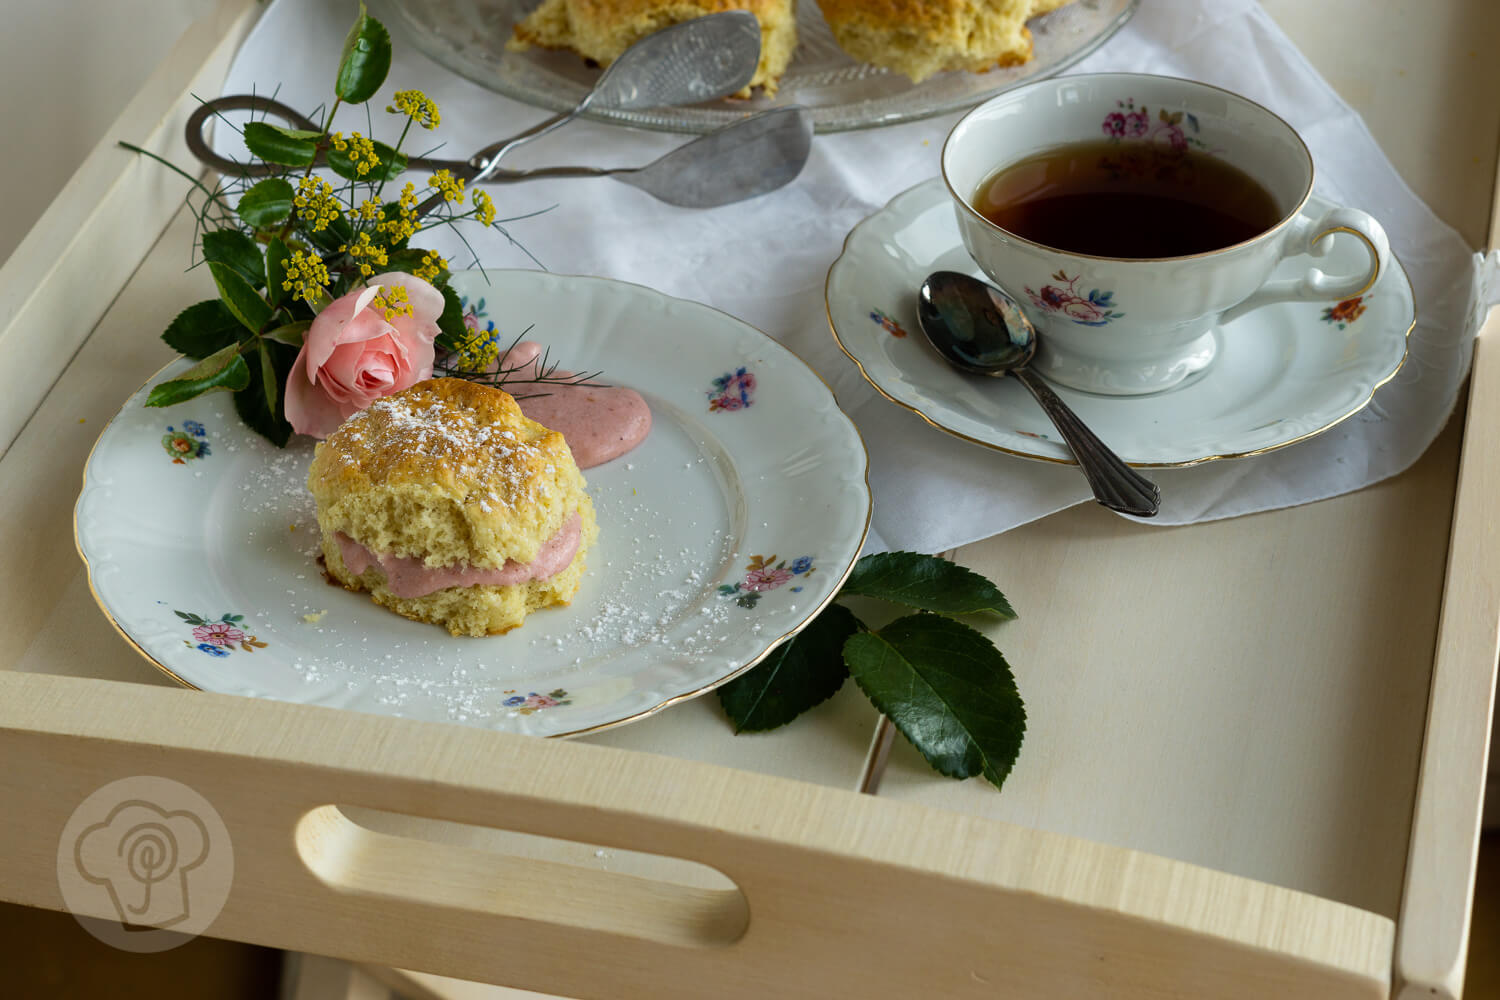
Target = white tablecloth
(765,260)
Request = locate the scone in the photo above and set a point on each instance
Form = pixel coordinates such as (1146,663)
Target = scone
(921,37)
(602,29)
(451,507)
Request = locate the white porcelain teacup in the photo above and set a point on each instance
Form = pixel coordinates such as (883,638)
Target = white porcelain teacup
(1126,326)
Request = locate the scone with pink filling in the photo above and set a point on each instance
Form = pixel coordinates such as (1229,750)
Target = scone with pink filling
(449,506)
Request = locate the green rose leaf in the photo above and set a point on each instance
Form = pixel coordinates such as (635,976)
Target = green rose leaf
(239,297)
(292,334)
(926,582)
(276,258)
(949,691)
(238,251)
(365,60)
(222,370)
(200,330)
(392,164)
(451,329)
(291,147)
(799,674)
(267,203)
(252,404)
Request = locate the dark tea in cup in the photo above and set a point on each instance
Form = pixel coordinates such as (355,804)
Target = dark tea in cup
(1139,201)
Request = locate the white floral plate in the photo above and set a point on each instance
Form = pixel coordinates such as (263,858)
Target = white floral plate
(1282,374)
(727,530)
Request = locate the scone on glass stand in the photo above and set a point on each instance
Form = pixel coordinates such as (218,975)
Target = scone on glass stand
(449,506)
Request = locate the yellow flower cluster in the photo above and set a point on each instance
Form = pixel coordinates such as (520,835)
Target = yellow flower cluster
(418,107)
(368,209)
(403,223)
(366,254)
(316,203)
(431,268)
(484,209)
(478,350)
(451,187)
(361,151)
(306,276)
(392,301)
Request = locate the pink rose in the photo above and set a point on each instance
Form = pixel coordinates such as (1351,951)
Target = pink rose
(353,355)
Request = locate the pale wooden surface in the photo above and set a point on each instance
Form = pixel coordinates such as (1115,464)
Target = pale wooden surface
(109,47)
(50,624)
(1433,943)
(816,873)
(86,245)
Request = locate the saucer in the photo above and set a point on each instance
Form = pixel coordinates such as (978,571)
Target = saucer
(1282,373)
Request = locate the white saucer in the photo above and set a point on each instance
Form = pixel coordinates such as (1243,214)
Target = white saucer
(1283,373)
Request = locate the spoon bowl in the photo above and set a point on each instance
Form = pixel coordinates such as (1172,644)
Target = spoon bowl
(979,329)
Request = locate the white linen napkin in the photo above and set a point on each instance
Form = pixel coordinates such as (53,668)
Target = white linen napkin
(765,260)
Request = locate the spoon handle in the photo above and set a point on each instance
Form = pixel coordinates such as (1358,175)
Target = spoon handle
(1115,484)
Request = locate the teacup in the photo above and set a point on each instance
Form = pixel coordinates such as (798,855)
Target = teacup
(1130,325)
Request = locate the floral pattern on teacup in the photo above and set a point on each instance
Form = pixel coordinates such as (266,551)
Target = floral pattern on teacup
(1151,147)
(765,573)
(1345,312)
(1064,299)
(1176,130)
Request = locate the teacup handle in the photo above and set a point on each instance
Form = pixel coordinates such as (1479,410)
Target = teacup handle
(1315,238)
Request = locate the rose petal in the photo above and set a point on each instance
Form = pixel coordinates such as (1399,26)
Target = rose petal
(345,320)
(426,301)
(308,408)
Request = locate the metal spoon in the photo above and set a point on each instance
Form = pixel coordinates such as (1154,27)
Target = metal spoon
(750,157)
(979,329)
(699,60)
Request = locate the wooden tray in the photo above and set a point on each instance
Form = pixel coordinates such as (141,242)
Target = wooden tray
(1256,770)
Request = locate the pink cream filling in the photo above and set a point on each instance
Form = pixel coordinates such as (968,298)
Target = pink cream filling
(408,576)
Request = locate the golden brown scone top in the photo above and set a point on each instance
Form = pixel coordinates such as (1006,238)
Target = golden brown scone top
(450,436)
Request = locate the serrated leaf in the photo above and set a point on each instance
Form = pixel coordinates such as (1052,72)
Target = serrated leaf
(269,423)
(930,583)
(239,297)
(802,672)
(277,255)
(267,203)
(292,334)
(275,144)
(230,376)
(947,689)
(234,249)
(392,164)
(365,60)
(201,329)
